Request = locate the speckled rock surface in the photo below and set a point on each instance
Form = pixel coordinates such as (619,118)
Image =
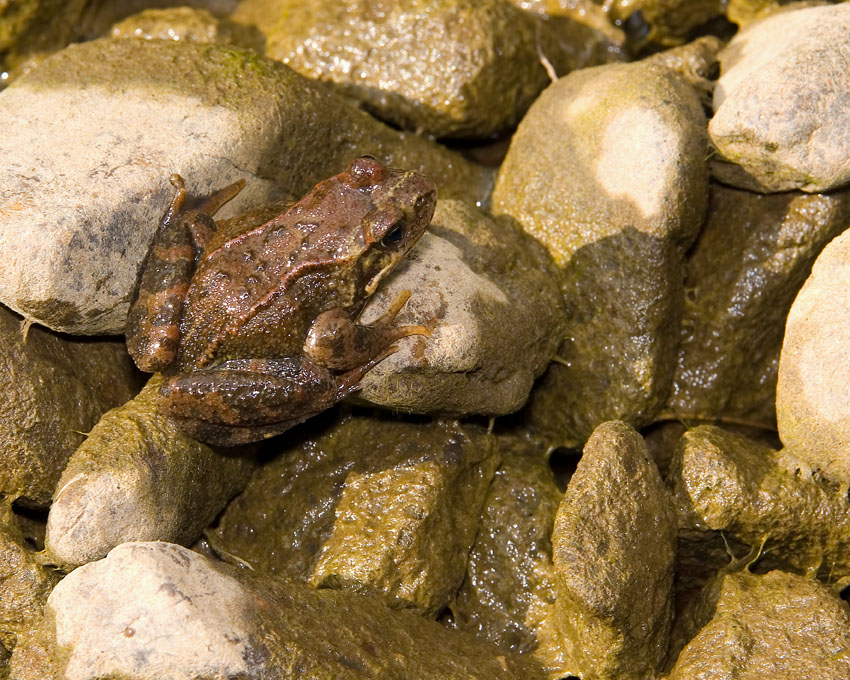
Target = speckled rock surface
(187,24)
(812,409)
(777,626)
(751,258)
(55,388)
(614,546)
(489,294)
(448,68)
(82,192)
(137,477)
(781,105)
(235,624)
(763,498)
(508,594)
(608,171)
(383,507)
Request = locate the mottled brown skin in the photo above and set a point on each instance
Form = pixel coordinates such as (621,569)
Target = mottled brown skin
(254,327)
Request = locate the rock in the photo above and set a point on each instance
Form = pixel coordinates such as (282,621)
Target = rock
(445,68)
(812,409)
(137,477)
(608,171)
(25,582)
(380,506)
(664,22)
(696,62)
(763,498)
(94,133)
(614,546)
(189,24)
(489,293)
(509,592)
(748,263)
(586,34)
(749,626)
(782,103)
(54,390)
(236,624)
(743,12)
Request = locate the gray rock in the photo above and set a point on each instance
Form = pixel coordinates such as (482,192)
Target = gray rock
(608,171)
(782,103)
(751,258)
(93,134)
(614,547)
(54,390)
(812,409)
(185,617)
(777,626)
(137,477)
(447,68)
(489,293)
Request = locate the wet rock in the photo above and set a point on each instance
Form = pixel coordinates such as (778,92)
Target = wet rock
(137,477)
(587,36)
(812,409)
(94,133)
(614,544)
(743,12)
(380,506)
(194,25)
(608,171)
(781,104)
(509,591)
(236,624)
(749,626)
(664,22)
(24,582)
(765,499)
(695,62)
(490,296)
(54,390)
(748,263)
(446,68)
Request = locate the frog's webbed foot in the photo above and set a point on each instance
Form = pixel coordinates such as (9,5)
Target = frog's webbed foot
(245,400)
(338,342)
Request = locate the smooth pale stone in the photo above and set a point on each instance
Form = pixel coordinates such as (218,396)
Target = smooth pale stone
(782,103)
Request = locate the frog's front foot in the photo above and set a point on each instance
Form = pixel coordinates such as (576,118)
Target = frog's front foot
(338,342)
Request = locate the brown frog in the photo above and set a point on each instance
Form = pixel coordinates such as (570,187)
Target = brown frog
(254,324)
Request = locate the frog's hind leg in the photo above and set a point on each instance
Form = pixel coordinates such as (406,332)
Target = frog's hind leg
(244,400)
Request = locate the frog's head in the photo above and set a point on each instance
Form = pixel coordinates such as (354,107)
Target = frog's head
(401,206)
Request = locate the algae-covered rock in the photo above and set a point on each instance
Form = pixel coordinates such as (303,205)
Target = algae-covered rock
(489,294)
(812,409)
(190,24)
(782,103)
(377,505)
(614,545)
(743,12)
(92,135)
(24,582)
(668,22)
(587,37)
(778,627)
(696,62)
(54,390)
(608,171)
(447,68)
(137,477)
(763,498)
(188,617)
(509,592)
(751,258)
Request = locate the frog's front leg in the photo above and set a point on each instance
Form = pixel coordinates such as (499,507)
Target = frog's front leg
(152,329)
(340,343)
(244,400)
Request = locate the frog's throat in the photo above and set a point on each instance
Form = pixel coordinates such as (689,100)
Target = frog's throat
(372,286)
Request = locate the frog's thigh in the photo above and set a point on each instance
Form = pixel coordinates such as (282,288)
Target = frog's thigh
(250,392)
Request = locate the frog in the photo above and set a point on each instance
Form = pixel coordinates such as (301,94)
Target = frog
(253,322)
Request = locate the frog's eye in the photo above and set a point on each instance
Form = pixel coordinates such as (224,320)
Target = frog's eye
(395,234)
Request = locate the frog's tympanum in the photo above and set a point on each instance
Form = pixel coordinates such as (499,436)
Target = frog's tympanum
(254,324)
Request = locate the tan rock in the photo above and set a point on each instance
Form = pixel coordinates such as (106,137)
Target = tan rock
(614,546)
